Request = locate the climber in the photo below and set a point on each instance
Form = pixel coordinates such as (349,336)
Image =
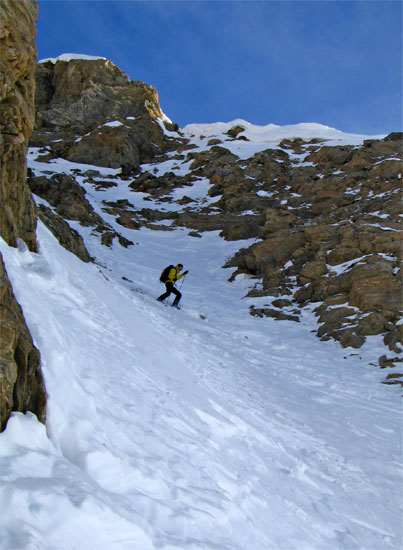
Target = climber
(169,276)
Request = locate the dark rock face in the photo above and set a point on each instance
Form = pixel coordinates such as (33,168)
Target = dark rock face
(63,192)
(68,237)
(21,383)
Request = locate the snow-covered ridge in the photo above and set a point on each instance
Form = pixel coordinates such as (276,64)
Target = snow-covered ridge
(71,56)
(271,134)
(274,133)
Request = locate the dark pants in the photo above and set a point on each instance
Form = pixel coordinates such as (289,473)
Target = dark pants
(170,289)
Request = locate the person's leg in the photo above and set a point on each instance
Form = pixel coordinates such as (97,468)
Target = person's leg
(169,288)
(178,296)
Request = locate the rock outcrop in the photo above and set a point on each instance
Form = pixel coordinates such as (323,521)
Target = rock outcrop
(332,236)
(69,202)
(21,382)
(89,111)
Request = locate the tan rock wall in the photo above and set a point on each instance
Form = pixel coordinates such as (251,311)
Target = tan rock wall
(17,115)
(21,382)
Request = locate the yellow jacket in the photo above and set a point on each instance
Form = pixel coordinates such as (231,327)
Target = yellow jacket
(173,275)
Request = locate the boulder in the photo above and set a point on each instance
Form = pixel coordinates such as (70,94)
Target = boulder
(273,313)
(369,285)
(331,157)
(312,271)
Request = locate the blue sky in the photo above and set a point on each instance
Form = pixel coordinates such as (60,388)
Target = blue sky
(335,62)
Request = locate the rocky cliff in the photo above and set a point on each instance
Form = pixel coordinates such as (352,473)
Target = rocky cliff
(89,111)
(21,382)
(17,115)
(325,215)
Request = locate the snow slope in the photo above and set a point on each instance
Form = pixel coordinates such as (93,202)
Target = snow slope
(170,431)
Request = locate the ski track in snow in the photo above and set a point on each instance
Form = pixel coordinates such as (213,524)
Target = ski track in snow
(168,431)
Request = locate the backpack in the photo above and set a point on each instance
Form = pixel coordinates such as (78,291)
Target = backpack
(165,273)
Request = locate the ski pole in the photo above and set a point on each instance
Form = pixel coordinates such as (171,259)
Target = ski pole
(183,280)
